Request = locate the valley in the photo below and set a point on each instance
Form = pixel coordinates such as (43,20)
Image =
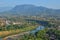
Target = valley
(14,27)
(30,22)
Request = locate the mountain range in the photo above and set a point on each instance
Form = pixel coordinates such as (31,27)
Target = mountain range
(33,10)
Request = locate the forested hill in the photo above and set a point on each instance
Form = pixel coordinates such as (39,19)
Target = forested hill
(32,10)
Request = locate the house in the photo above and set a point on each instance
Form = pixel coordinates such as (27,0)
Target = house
(16,23)
(2,22)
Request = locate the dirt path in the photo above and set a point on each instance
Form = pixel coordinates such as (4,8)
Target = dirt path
(15,36)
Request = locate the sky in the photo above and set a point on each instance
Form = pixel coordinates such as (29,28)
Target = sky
(55,4)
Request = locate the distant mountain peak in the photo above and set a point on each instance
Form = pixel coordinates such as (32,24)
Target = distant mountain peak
(25,5)
(28,9)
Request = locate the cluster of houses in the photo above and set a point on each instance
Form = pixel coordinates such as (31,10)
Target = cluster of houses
(4,22)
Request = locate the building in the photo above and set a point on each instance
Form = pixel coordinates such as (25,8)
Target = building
(2,22)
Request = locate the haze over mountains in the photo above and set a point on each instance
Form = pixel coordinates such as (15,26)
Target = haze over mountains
(2,9)
(32,10)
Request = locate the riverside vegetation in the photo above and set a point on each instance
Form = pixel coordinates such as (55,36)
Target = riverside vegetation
(50,32)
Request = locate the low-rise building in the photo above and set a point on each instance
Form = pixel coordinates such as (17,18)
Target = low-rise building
(2,22)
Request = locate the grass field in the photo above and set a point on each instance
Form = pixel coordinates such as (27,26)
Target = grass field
(12,32)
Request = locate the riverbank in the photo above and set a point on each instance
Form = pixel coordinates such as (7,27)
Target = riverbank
(4,34)
(11,32)
(17,36)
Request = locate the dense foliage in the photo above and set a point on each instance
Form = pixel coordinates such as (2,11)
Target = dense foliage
(46,34)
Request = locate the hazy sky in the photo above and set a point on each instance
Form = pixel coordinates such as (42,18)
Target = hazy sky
(46,3)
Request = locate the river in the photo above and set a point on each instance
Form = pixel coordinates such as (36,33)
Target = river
(38,28)
(35,30)
(0,38)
